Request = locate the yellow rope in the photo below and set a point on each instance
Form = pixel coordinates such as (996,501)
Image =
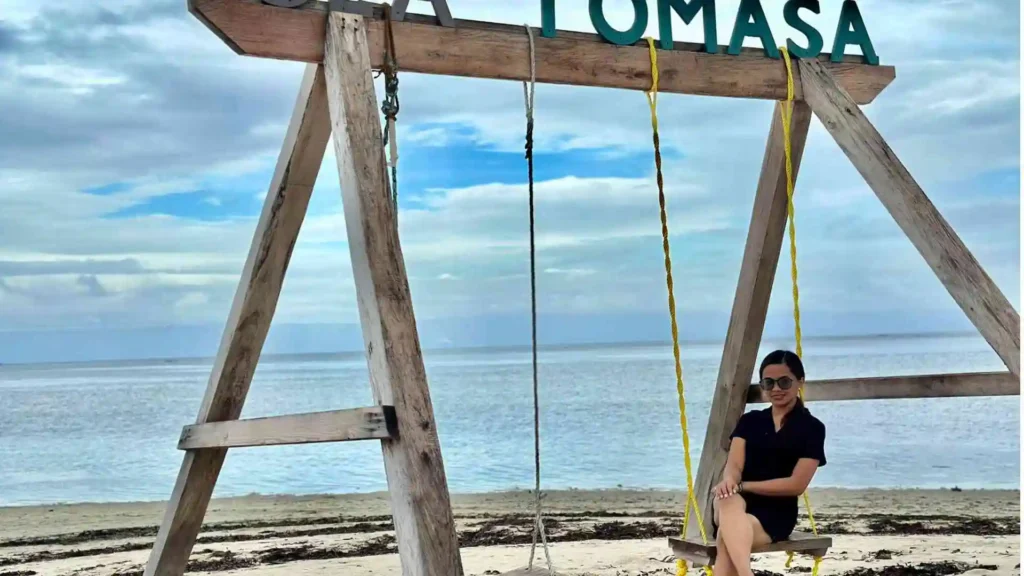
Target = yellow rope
(691,500)
(787,118)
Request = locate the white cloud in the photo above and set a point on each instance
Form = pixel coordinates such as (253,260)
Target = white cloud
(148,97)
(79,81)
(482,222)
(982,83)
(571,271)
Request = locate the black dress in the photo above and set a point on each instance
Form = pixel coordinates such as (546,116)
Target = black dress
(771,455)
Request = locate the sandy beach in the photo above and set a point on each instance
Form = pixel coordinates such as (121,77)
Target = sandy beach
(600,533)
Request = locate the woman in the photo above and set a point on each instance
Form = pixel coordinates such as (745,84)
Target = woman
(773,456)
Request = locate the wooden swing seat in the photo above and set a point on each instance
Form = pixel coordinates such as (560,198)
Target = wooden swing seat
(700,554)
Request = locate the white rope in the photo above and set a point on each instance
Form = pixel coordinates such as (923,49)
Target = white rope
(528,94)
(538,520)
(393,143)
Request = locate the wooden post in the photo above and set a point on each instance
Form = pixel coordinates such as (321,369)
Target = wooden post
(968,284)
(750,306)
(420,504)
(249,320)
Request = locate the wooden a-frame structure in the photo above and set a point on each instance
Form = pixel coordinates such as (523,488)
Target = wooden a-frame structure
(343,42)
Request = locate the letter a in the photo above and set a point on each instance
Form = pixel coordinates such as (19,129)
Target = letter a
(758,28)
(850,16)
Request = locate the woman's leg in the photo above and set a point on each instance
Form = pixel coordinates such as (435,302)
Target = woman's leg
(739,532)
(760,538)
(723,563)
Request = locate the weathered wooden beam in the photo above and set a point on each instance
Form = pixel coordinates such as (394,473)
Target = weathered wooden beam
(499,51)
(418,488)
(895,387)
(954,265)
(377,422)
(249,319)
(750,305)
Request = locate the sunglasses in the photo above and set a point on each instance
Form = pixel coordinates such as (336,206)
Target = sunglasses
(784,383)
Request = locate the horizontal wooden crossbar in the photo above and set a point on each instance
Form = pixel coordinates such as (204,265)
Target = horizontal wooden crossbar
(704,555)
(892,387)
(500,51)
(377,422)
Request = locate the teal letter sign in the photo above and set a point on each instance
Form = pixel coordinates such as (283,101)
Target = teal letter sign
(759,28)
(631,36)
(814,40)
(687,10)
(850,16)
(750,22)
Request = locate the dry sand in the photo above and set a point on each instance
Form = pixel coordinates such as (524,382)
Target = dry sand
(606,533)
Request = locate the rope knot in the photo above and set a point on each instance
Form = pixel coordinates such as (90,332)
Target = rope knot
(390,109)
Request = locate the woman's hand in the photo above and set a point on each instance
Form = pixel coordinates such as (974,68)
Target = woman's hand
(726,488)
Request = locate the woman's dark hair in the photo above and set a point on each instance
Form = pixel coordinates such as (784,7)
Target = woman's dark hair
(792,361)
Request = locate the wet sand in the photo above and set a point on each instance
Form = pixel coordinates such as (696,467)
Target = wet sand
(600,533)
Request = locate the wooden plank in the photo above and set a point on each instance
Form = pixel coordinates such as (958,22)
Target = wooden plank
(954,265)
(750,305)
(894,387)
(800,542)
(249,319)
(377,422)
(499,51)
(420,502)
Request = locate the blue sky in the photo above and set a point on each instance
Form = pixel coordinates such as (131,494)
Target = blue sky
(137,148)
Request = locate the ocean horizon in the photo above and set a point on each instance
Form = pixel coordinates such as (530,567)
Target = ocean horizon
(455,349)
(107,431)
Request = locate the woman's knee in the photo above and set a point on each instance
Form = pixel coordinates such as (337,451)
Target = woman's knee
(731,504)
(731,507)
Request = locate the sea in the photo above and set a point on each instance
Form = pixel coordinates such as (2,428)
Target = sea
(107,432)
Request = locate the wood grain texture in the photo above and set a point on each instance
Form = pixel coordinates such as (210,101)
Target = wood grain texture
(800,542)
(249,320)
(376,422)
(424,524)
(954,265)
(499,51)
(895,387)
(750,305)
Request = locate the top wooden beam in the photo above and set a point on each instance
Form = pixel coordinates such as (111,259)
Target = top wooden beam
(500,51)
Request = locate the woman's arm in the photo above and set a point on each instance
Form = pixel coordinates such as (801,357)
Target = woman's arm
(737,458)
(733,469)
(795,485)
